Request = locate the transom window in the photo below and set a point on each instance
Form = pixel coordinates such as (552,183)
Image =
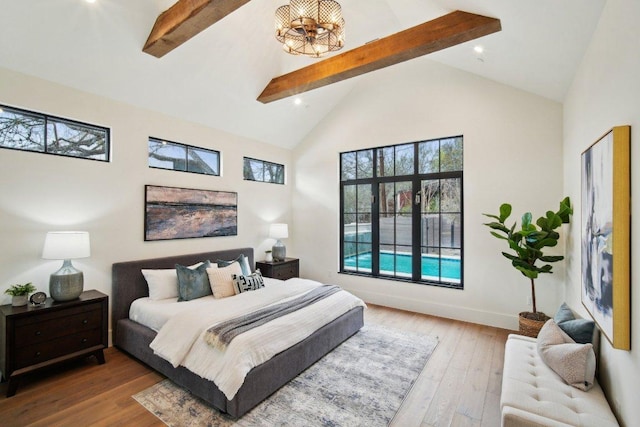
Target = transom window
(263,171)
(402,215)
(30,131)
(175,156)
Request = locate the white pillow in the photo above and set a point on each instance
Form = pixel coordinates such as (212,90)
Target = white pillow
(163,284)
(574,363)
(221,279)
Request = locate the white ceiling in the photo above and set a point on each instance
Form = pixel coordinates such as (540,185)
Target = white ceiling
(215,78)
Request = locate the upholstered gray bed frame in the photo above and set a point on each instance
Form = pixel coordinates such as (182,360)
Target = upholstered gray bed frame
(129,284)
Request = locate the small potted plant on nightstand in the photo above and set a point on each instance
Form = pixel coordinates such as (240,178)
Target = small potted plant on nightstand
(20,293)
(528,245)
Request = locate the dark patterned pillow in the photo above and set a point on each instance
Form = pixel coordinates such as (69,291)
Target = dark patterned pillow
(244,283)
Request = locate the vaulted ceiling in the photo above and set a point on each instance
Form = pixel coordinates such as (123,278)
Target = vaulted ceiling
(216,77)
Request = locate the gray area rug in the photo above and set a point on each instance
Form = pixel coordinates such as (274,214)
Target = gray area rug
(362,382)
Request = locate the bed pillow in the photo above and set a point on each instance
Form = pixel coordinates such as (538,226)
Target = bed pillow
(580,330)
(193,283)
(163,283)
(574,363)
(221,280)
(243,260)
(244,283)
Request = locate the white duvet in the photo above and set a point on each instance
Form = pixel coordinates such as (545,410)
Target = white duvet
(181,340)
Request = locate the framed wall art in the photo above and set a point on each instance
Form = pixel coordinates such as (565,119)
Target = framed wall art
(606,234)
(182,213)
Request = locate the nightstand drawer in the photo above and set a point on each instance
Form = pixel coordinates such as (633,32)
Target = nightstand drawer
(285,271)
(44,351)
(46,330)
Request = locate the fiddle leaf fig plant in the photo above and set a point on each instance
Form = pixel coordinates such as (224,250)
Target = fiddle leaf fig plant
(529,242)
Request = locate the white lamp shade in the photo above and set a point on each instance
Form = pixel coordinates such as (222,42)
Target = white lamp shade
(66,245)
(279,231)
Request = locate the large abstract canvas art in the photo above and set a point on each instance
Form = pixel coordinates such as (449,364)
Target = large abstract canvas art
(182,213)
(606,223)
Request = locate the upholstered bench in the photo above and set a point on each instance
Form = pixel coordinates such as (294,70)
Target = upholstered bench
(533,395)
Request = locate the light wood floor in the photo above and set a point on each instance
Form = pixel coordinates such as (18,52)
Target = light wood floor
(460,385)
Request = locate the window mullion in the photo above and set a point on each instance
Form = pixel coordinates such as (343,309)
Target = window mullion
(375,228)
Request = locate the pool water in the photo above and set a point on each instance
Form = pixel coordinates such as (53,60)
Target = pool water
(431,265)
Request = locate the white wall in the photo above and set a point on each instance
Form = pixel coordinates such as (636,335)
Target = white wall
(39,192)
(606,93)
(512,153)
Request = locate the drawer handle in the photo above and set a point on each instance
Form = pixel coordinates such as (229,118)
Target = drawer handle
(85,321)
(37,354)
(84,340)
(38,333)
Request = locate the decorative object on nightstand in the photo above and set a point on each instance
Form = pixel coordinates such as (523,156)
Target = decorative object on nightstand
(33,338)
(38,299)
(282,270)
(268,256)
(279,231)
(67,283)
(20,293)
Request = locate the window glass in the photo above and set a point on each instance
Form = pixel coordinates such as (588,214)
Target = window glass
(182,157)
(29,131)
(263,171)
(413,212)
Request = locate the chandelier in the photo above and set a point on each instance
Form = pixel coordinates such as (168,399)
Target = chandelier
(310,27)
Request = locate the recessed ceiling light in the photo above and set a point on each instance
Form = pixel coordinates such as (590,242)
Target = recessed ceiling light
(478,49)
(297,101)
(90,1)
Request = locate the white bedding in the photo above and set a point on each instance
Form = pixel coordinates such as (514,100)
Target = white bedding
(184,345)
(155,313)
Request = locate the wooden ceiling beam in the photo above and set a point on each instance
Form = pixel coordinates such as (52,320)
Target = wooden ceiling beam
(184,20)
(449,30)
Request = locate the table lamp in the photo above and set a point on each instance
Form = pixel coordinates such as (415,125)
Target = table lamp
(279,231)
(67,283)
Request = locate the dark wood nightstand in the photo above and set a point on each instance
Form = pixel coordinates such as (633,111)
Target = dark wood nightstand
(33,337)
(282,270)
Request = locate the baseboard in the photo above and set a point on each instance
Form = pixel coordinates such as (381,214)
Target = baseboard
(441,310)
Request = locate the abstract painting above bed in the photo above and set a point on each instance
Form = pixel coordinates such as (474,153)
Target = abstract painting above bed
(182,213)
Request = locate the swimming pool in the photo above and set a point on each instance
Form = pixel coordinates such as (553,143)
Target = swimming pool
(444,268)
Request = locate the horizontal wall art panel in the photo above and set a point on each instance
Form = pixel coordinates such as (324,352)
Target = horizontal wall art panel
(182,213)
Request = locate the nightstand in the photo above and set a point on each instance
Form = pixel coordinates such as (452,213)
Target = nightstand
(34,337)
(282,270)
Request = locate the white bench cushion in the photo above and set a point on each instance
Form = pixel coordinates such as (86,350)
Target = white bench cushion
(534,395)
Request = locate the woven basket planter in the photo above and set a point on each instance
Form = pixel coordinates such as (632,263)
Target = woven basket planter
(531,327)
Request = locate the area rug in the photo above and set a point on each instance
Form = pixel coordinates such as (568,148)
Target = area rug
(361,382)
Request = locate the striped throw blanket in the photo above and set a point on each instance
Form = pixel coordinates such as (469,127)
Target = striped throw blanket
(220,335)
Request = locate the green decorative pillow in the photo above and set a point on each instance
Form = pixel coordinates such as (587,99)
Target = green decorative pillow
(574,363)
(242,260)
(580,330)
(193,283)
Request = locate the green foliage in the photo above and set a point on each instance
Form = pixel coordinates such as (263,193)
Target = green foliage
(17,290)
(529,241)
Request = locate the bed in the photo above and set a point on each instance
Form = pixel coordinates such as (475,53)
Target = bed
(128,284)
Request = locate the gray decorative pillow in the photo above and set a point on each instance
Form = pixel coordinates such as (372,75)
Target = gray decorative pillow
(242,260)
(580,330)
(574,363)
(193,283)
(251,282)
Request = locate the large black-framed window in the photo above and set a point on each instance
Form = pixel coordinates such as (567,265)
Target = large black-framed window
(176,156)
(402,212)
(263,171)
(43,133)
